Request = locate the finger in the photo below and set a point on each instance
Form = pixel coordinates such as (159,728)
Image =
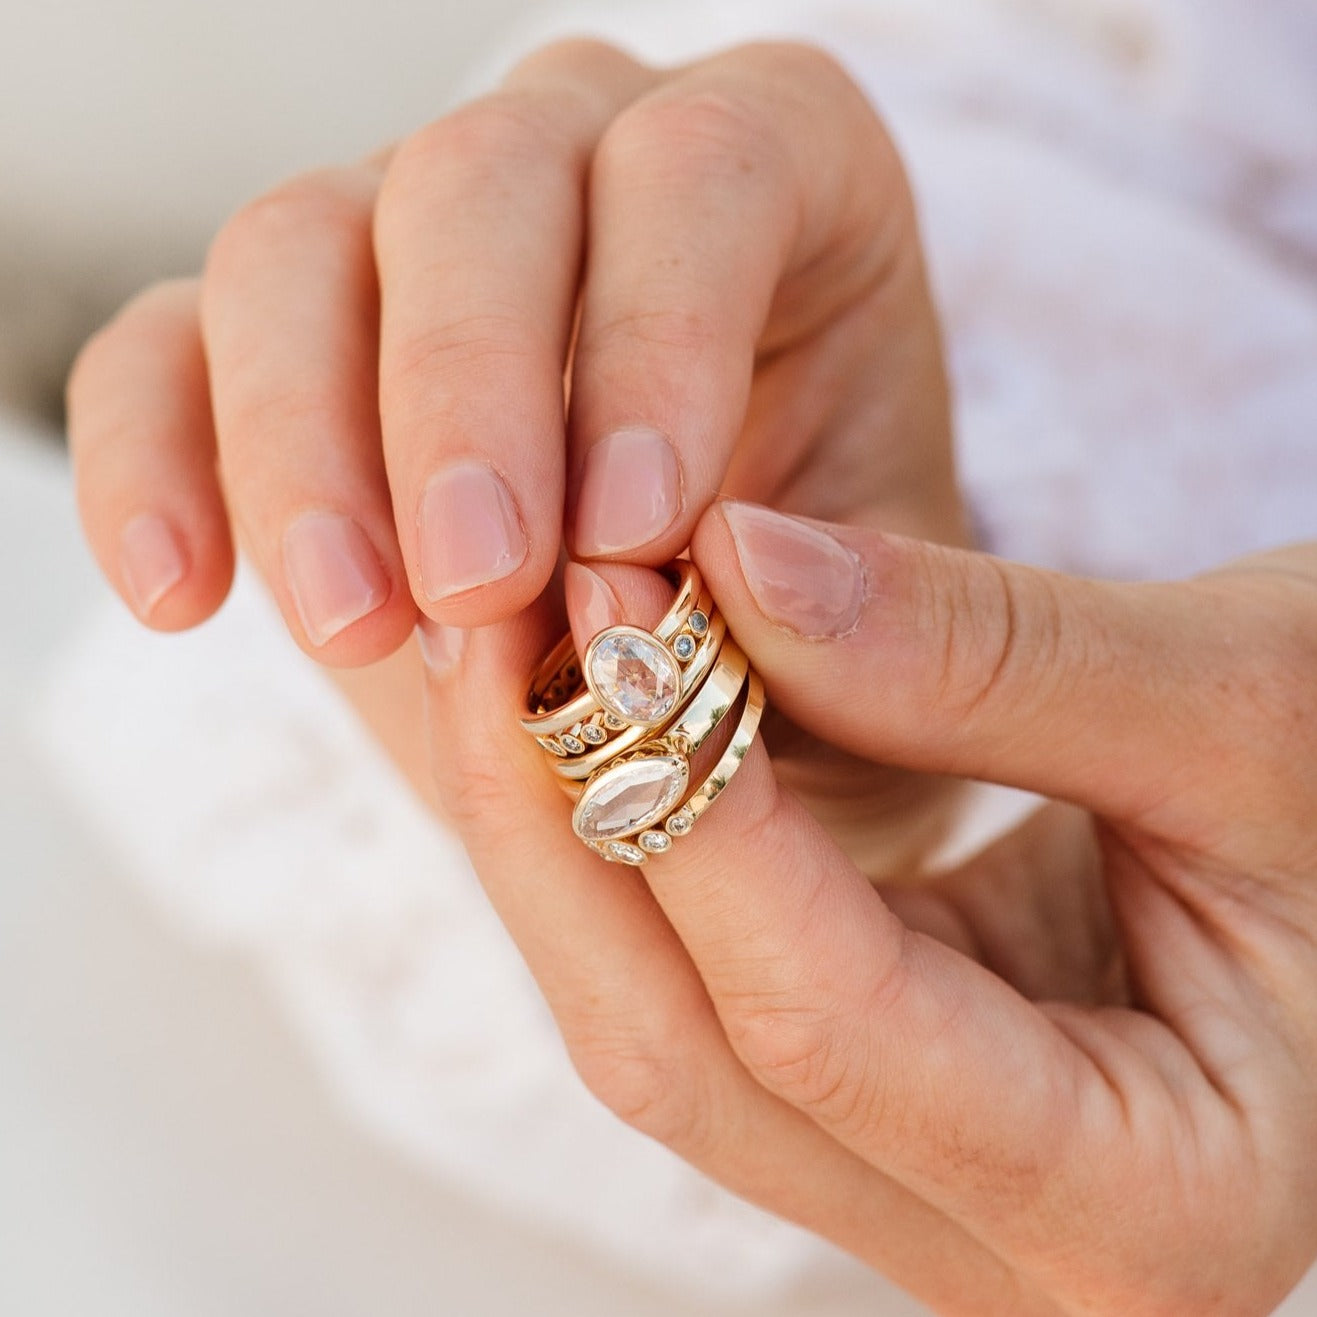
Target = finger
(478,236)
(143,453)
(634,1015)
(911,1054)
(735,210)
(954,662)
(289,312)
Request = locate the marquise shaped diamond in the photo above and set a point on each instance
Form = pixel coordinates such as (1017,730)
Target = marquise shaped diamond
(630,796)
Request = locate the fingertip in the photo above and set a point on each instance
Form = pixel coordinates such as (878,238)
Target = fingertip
(370,638)
(490,602)
(601,595)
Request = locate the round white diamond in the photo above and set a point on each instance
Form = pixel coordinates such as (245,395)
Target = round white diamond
(698,622)
(680,823)
(594,734)
(613,722)
(630,796)
(654,842)
(625,852)
(632,675)
(684,647)
(573,744)
(552,746)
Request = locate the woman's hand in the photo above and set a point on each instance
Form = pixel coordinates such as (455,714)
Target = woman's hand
(1078,1076)
(367,384)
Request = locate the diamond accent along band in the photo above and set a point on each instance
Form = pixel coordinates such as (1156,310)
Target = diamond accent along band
(620,727)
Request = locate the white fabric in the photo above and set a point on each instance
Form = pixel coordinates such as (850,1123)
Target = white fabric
(1120,199)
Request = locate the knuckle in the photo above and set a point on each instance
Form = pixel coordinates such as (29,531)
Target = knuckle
(327,201)
(485,337)
(473,789)
(699,137)
(417,372)
(256,422)
(811,1046)
(571,58)
(686,331)
(801,65)
(641,1070)
(504,133)
(1006,636)
(160,321)
(803,1054)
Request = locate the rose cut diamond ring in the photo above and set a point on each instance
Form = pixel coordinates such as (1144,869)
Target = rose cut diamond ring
(621,727)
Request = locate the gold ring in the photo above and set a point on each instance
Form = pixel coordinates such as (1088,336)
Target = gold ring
(652,699)
(564,712)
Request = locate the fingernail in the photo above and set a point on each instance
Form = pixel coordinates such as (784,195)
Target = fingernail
(441,646)
(470,532)
(333,572)
(152,561)
(630,492)
(591,603)
(800,576)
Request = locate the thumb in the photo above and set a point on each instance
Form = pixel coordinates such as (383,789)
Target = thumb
(948,661)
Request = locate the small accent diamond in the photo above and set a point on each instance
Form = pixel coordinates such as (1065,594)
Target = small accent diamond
(680,823)
(684,647)
(614,723)
(625,852)
(593,734)
(552,746)
(698,622)
(654,842)
(573,744)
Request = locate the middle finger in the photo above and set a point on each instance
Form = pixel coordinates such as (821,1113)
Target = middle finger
(478,237)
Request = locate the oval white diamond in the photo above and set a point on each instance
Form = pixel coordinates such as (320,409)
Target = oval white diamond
(632,675)
(594,734)
(572,743)
(654,842)
(628,797)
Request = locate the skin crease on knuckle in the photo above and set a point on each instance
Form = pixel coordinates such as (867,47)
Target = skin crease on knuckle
(335,199)
(692,141)
(645,1071)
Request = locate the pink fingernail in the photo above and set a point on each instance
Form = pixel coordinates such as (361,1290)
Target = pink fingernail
(333,572)
(591,603)
(441,646)
(800,576)
(151,560)
(630,492)
(469,529)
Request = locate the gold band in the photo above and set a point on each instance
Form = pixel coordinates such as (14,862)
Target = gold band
(619,727)
(558,701)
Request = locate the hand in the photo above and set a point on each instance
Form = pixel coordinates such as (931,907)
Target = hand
(375,358)
(1036,1092)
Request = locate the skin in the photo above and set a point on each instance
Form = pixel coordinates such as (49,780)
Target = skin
(1074,1075)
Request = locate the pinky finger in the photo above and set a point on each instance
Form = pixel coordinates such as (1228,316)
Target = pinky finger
(143,447)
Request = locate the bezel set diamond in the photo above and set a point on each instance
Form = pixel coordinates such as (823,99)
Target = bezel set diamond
(620,724)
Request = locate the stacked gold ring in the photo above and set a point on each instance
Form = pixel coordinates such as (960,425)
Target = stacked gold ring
(620,726)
